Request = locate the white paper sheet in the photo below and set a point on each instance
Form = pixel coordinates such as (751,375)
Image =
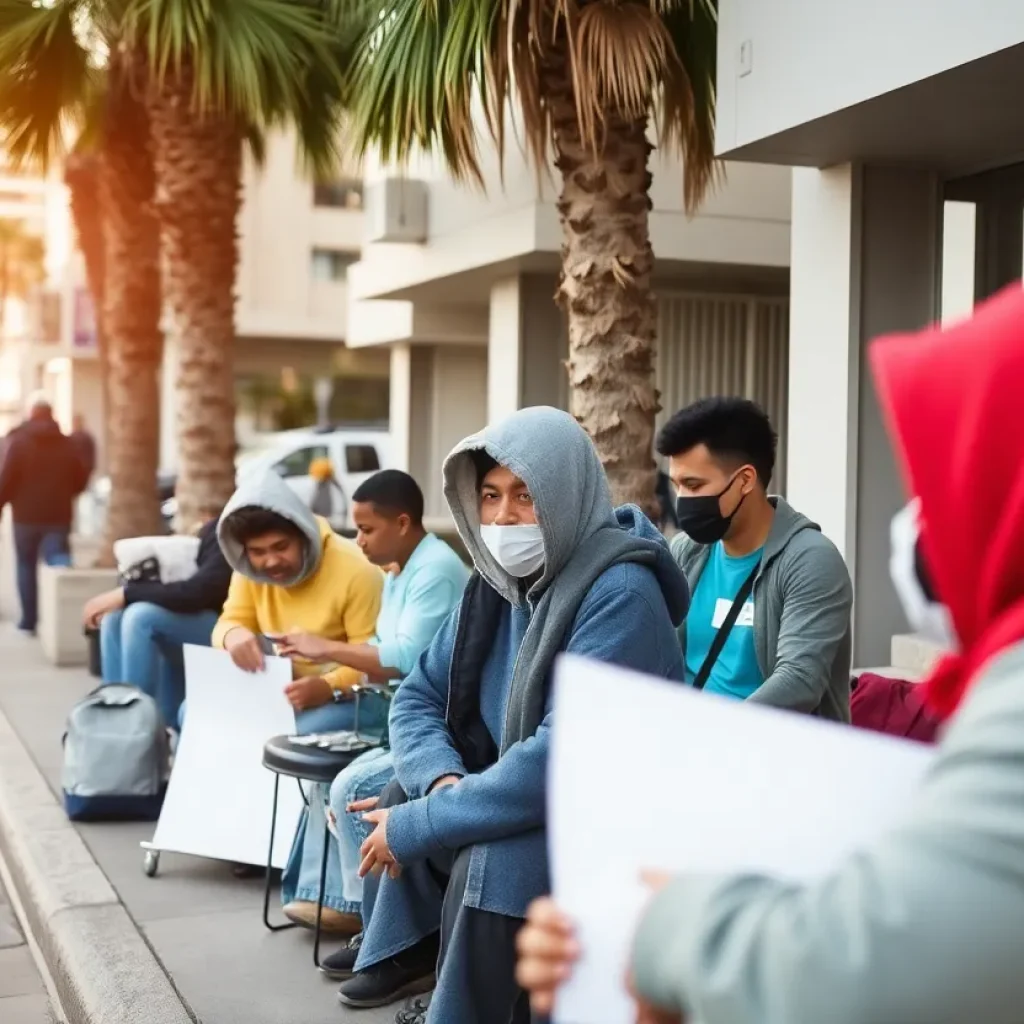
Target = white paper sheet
(220,796)
(650,775)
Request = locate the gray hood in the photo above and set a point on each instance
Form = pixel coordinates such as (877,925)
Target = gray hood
(570,491)
(267,490)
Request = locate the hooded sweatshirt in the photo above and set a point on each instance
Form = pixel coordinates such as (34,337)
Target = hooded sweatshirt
(802,598)
(927,925)
(336,594)
(608,590)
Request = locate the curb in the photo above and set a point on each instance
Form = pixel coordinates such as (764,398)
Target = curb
(103,969)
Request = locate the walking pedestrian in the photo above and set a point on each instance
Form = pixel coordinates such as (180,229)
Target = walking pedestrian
(40,478)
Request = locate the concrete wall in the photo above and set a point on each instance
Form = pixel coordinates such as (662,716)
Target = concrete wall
(788,62)
(900,246)
(746,220)
(447,403)
(866,259)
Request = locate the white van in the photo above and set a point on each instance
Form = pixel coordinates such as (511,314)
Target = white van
(355,453)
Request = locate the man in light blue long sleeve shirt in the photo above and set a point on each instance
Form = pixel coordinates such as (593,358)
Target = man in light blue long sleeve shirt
(425,580)
(415,602)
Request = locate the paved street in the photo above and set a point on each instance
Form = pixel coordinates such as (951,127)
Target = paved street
(23,998)
(203,924)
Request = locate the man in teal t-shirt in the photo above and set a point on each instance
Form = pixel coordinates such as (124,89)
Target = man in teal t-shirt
(790,645)
(735,672)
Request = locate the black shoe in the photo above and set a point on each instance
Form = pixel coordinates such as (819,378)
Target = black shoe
(245,871)
(342,965)
(414,1012)
(411,973)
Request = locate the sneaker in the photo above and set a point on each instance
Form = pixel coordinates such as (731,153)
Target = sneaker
(332,922)
(411,973)
(342,965)
(414,1012)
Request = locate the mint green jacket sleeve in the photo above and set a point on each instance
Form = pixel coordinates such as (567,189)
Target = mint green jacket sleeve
(926,927)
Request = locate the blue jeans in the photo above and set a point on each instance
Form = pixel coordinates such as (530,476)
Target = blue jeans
(31,544)
(301,878)
(142,645)
(366,776)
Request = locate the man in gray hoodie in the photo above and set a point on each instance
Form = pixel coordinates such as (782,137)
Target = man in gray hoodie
(787,641)
(463,839)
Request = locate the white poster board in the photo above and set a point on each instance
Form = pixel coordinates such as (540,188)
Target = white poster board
(652,775)
(220,796)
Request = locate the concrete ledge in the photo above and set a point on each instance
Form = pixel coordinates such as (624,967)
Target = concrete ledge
(62,593)
(102,967)
(914,655)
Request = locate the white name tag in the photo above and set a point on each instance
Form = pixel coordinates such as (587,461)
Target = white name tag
(745,617)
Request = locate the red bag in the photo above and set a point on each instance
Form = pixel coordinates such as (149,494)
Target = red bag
(893,706)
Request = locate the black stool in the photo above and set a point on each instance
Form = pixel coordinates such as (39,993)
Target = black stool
(307,764)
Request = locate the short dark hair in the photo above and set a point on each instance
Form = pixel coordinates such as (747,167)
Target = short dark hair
(484,463)
(251,521)
(733,429)
(392,493)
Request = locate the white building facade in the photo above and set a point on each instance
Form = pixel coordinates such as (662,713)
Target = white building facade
(296,242)
(907,201)
(458,284)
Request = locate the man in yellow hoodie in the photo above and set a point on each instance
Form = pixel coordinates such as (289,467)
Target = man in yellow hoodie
(292,572)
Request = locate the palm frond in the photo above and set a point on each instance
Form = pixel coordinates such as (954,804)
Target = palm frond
(687,109)
(319,109)
(421,71)
(619,54)
(438,75)
(45,78)
(246,58)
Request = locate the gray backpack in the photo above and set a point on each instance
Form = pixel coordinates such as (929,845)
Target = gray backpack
(117,756)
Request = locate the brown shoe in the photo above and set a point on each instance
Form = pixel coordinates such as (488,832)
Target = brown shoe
(333,922)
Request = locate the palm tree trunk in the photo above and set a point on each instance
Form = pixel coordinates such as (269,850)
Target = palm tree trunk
(81,175)
(130,315)
(199,165)
(605,288)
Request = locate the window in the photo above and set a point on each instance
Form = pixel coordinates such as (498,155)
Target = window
(332,264)
(361,458)
(297,463)
(345,194)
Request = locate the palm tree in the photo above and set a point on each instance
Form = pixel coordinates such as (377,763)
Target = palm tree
(63,74)
(188,84)
(220,75)
(584,79)
(21,263)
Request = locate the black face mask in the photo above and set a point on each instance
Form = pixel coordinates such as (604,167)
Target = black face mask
(700,517)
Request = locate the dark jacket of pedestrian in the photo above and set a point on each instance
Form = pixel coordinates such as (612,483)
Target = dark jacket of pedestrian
(41,474)
(85,446)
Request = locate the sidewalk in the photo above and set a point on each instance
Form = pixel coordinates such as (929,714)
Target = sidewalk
(23,997)
(203,925)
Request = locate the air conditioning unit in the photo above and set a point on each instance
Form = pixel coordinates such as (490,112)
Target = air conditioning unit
(396,211)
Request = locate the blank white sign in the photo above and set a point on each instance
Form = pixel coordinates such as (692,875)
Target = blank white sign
(652,775)
(220,796)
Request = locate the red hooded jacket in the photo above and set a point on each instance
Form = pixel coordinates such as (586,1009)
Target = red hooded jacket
(954,401)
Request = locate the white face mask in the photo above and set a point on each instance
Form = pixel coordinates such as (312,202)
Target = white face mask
(926,616)
(519,550)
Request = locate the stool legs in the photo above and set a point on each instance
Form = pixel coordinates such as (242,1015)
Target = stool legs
(320,894)
(268,885)
(323,878)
